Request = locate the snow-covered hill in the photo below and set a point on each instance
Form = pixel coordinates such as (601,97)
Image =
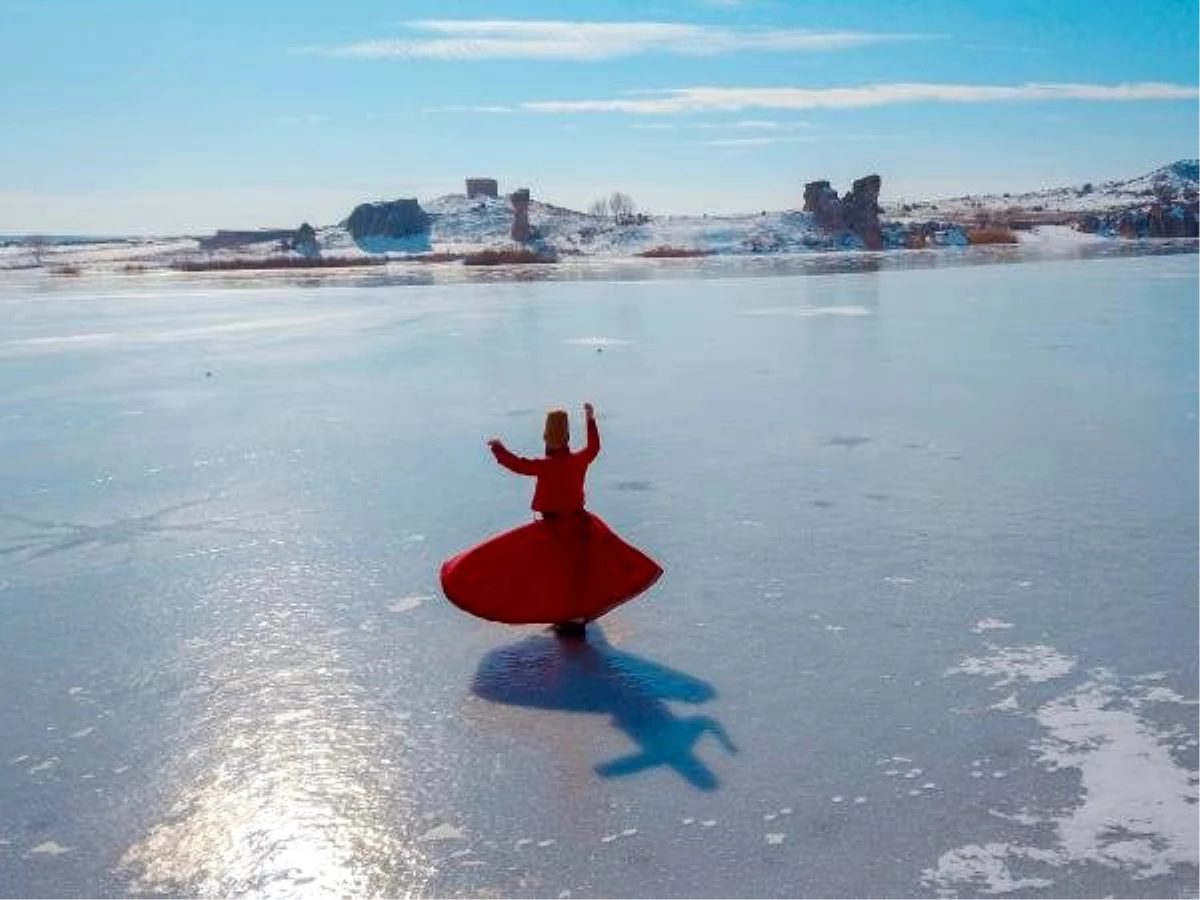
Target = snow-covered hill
(1174,183)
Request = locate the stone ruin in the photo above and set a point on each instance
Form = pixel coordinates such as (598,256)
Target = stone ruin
(482,187)
(521,232)
(857,212)
(387,218)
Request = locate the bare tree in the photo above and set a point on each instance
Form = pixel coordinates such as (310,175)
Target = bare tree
(599,208)
(37,243)
(622,207)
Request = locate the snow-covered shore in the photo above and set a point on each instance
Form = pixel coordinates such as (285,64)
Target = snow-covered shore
(459,226)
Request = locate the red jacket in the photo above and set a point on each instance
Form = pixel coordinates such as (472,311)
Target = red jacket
(559,474)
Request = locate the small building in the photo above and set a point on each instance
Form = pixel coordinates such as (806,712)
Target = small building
(482,187)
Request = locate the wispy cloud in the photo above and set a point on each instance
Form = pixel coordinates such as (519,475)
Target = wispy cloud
(496,109)
(759,141)
(743,125)
(303,119)
(491,39)
(713,99)
(767,140)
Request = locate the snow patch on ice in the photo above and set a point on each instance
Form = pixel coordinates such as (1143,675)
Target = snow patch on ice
(598,341)
(404,604)
(1023,817)
(1136,808)
(1035,663)
(443,832)
(990,624)
(49,848)
(982,868)
(807,311)
(1008,704)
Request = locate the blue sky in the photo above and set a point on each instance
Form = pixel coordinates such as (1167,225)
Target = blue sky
(174,116)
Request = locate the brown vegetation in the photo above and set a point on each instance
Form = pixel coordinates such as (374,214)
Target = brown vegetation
(991,235)
(277,262)
(440,257)
(505,257)
(664,252)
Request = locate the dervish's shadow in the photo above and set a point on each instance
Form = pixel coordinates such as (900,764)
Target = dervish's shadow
(592,676)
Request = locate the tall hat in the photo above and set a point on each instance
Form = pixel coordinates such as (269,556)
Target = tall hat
(558,430)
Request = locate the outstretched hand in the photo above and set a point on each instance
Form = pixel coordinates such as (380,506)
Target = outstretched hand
(589,410)
(493,443)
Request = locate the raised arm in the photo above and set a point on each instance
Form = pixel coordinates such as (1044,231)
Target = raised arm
(593,433)
(519,464)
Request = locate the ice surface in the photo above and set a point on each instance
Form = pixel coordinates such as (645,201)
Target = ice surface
(927,623)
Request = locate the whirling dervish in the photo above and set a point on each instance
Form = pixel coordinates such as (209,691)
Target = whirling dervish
(566,567)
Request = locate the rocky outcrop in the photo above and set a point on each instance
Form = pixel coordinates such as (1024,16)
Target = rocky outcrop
(1158,220)
(388,218)
(521,232)
(305,241)
(860,209)
(482,187)
(857,212)
(822,201)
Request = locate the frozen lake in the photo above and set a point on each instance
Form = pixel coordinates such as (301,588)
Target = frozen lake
(928,624)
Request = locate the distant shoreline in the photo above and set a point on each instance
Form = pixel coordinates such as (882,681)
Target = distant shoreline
(399,271)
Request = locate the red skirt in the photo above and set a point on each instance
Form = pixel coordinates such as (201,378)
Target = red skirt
(571,566)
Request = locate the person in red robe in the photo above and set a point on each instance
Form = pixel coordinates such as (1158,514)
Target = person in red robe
(565,568)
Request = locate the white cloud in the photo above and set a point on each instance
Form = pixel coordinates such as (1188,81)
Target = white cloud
(839,137)
(758,125)
(475,39)
(756,141)
(715,99)
(303,119)
(494,109)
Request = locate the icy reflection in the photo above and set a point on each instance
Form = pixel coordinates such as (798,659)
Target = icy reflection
(283,783)
(46,538)
(592,676)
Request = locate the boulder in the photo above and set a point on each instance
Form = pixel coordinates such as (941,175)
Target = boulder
(387,218)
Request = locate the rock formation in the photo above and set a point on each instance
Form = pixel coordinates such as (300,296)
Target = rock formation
(305,241)
(1158,220)
(482,187)
(860,208)
(858,211)
(388,218)
(822,201)
(521,232)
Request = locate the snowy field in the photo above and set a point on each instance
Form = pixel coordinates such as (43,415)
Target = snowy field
(928,625)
